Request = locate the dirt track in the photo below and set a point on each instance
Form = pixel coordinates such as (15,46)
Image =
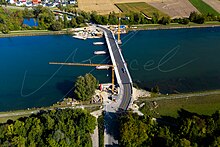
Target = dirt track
(174,8)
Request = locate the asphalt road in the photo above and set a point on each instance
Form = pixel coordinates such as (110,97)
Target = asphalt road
(123,73)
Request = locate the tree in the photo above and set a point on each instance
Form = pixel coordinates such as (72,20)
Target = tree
(155,89)
(65,21)
(200,19)
(73,23)
(87,16)
(184,143)
(5,29)
(164,20)
(155,18)
(79,19)
(45,18)
(56,26)
(104,20)
(85,87)
(37,10)
(50,128)
(28,13)
(137,18)
(197,18)
(112,19)
(192,16)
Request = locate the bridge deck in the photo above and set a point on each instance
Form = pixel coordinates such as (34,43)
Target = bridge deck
(121,71)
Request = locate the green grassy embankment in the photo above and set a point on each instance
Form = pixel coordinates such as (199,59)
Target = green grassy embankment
(203,7)
(173,26)
(31,33)
(101,130)
(15,114)
(202,103)
(142,7)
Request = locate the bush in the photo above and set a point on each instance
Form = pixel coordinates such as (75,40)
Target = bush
(5,29)
(184,21)
(26,27)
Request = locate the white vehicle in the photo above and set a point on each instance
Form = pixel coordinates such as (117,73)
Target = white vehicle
(56,4)
(43,4)
(19,4)
(29,4)
(63,4)
(72,2)
(11,1)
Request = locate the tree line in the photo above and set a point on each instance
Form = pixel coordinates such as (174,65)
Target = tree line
(12,20)
(67,128)
(187,130)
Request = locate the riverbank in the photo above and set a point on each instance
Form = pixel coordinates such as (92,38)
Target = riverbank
(32,33)
(132,28)
(173,26)
(204,102)
(15,114)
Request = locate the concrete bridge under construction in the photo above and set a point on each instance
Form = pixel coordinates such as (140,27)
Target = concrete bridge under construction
(120,67)
(124,97)
(111,132)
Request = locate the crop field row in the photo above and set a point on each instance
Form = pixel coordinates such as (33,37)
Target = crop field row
(142,7)
(173,8)
(203,7)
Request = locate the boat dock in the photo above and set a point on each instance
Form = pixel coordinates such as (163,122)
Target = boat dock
(98,43)
(100,52)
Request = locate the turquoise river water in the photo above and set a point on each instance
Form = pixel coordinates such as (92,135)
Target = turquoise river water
(181,60)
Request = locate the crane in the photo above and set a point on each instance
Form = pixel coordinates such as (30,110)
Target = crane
(119,30)
(82,64)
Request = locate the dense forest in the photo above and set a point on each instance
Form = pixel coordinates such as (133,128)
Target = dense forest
(13,19)
(188,129)
(67,128)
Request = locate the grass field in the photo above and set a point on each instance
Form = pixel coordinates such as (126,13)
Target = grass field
(173,26)
(203,7)
(206,105)
(31,33)
(4,119)
(139,7)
